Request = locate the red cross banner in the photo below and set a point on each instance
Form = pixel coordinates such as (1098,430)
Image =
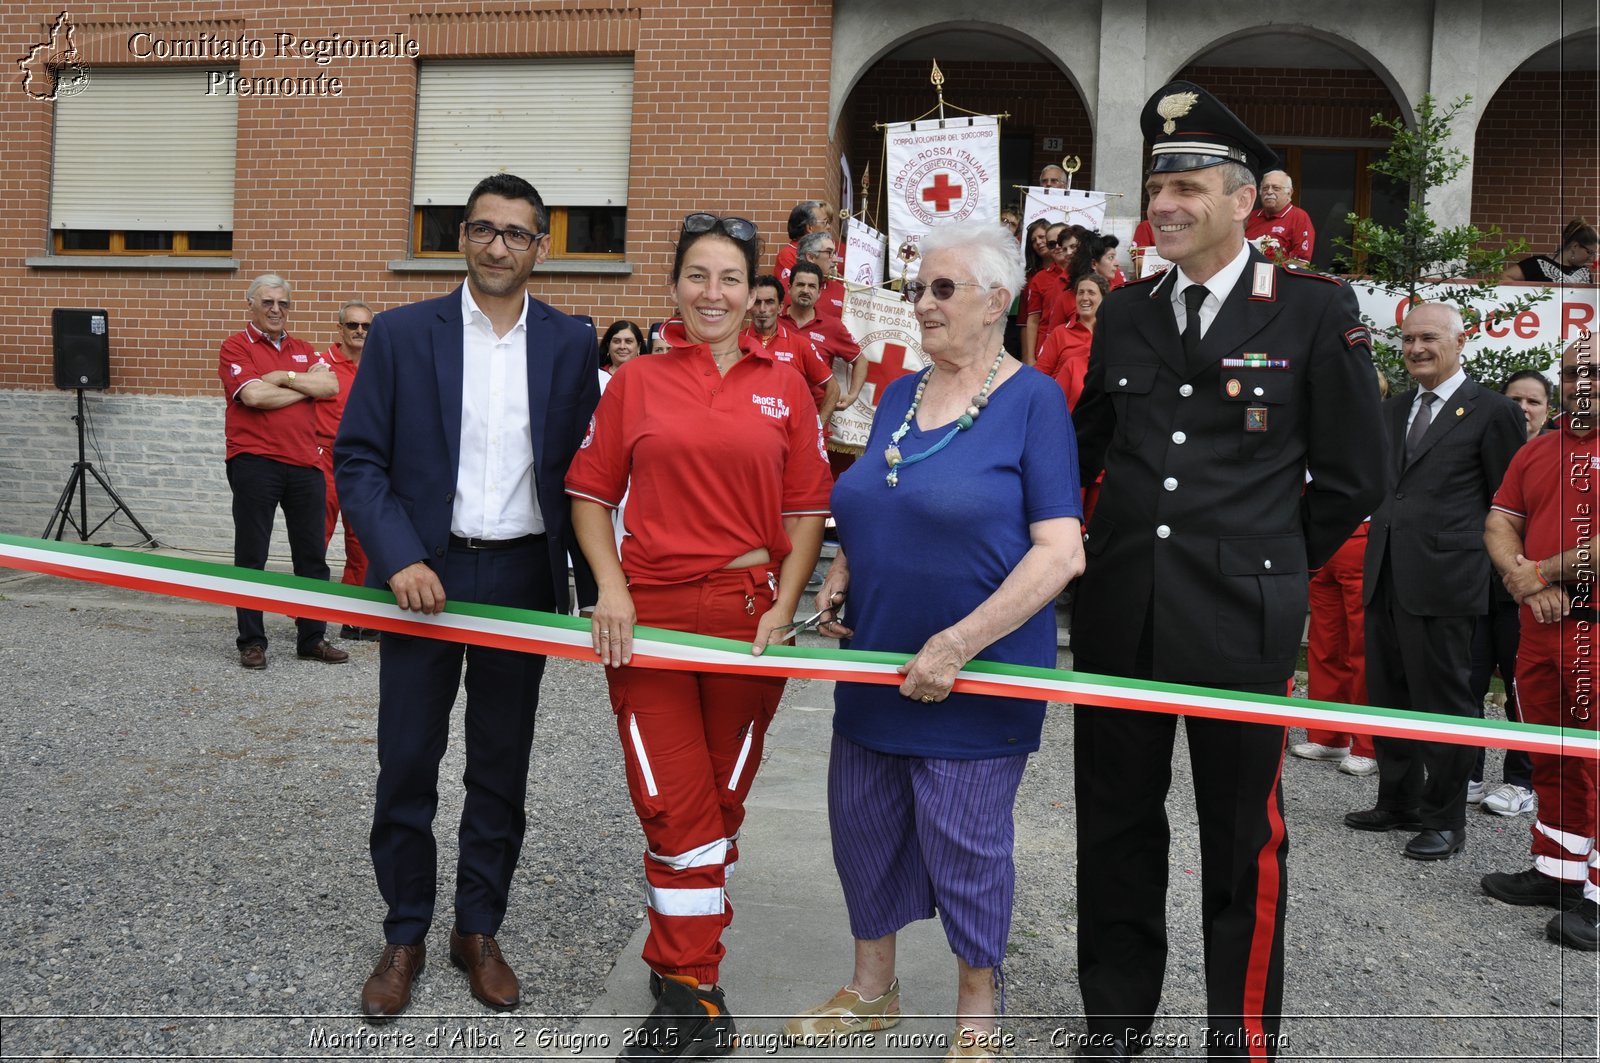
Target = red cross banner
(940,171)
(891,342)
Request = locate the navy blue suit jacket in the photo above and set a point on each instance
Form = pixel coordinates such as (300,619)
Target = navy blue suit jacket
(399,443)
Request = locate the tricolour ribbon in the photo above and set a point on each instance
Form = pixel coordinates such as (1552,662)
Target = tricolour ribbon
(565,636)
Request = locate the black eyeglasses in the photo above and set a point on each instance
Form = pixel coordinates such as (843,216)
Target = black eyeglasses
(1577,372)
(942,288)
(481,232)
(738,228)
(357,326)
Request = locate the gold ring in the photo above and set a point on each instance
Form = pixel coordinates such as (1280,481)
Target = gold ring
(928,698)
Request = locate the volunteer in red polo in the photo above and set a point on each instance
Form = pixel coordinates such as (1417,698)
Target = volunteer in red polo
(729,488)
(271,381)
(828,334)
(765,332)
(1540,537)
(1276,217)
(355,319)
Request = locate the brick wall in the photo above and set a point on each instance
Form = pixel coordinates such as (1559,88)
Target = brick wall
(1534,156)
(323,185)
(322,196)
(1291,102)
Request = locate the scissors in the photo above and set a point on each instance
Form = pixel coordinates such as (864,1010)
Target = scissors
(812,622)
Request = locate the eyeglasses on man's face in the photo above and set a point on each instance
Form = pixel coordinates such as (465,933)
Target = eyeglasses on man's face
(481,232)
(269,304)
(358,326)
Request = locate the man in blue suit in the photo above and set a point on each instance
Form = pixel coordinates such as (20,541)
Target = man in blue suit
(450,462)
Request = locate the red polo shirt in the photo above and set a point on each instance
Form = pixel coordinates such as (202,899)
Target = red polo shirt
(790,347)
(1552,483)
(787,257)
(1045,282)
(1065,356)
(331,411)
(287,434)
(1144,235)
(827,334)
(1291,228)
(711,464)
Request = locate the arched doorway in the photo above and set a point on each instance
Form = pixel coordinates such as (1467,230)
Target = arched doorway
(1312,100)
(988,72)
(1534,150)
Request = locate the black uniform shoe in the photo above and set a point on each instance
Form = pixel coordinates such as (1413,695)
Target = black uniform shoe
(686,1023)
(1533,888)
(1577,929)
(1436,844)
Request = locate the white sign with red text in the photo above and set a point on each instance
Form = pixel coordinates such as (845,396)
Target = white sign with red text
(1063,206)
(863,254)
(941,170)
(1561,315)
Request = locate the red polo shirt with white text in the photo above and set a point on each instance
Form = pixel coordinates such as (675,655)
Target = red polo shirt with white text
(711,464)
(789,346)
(827,334)
(287,434)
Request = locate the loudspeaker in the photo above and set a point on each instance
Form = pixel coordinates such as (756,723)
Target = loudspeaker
(82,349)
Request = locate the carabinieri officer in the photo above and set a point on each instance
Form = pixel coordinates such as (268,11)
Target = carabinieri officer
(1212,390)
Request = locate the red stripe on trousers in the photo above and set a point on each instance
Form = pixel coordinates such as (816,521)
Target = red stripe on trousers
(1268,887)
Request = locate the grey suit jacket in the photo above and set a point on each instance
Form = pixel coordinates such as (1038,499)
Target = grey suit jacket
(1430,521)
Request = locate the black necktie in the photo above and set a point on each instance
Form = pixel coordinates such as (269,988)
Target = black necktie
(1420,423)
(1193,297)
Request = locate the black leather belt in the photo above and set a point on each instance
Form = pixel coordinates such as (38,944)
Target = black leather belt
(466,543)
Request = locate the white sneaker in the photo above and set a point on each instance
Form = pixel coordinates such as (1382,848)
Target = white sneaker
(1475,791)
(1509,799)
(1354,765)
(1318,751)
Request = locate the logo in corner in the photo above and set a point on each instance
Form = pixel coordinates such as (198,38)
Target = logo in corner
(53,70)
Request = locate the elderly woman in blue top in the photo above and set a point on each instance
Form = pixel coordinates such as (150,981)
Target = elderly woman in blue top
(957,529)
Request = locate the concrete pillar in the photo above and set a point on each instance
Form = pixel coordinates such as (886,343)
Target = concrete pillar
(1119,97)
(1452,74)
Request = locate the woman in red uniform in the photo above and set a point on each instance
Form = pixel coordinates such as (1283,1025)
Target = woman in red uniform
(1065,356)
(729,489)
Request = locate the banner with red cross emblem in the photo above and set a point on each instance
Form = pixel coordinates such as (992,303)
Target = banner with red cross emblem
(891,342)
(941,171)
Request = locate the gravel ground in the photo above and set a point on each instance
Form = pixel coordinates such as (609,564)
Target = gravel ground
(184,869)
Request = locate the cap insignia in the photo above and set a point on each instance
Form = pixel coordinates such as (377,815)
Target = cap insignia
(1176,105)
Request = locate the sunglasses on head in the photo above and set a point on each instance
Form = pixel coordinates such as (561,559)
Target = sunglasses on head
(736,228)
(942,288)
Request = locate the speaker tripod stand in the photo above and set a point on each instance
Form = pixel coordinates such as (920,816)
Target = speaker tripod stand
(79,482)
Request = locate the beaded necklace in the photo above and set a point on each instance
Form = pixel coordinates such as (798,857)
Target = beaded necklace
(892,454)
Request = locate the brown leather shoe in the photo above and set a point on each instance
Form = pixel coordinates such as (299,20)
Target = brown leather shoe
(326,652)
(388,991)
(493,981)
(253,657)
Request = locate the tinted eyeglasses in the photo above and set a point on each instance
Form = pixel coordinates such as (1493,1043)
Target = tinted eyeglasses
(481,232)
(736,228)
(270,303)
(942,288)
(357,326)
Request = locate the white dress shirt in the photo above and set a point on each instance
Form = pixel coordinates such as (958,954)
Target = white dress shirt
(495,489)
(1218,287)
(1444,391)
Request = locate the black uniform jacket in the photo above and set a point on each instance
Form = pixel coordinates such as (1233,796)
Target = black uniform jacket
(1206,518)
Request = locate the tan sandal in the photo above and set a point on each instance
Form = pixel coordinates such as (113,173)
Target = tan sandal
(847,1013)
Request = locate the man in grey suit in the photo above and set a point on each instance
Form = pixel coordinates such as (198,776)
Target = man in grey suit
(1427,575)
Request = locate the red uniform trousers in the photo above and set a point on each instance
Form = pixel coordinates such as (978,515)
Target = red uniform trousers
(1555,684)
(355,558)
(692,742)
(1336,651)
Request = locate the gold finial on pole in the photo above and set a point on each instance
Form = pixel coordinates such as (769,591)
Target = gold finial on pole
(937,77)
(866,187)
(1072,164)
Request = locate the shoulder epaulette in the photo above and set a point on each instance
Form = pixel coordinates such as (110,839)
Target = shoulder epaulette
(1143,280)
(1301,271)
